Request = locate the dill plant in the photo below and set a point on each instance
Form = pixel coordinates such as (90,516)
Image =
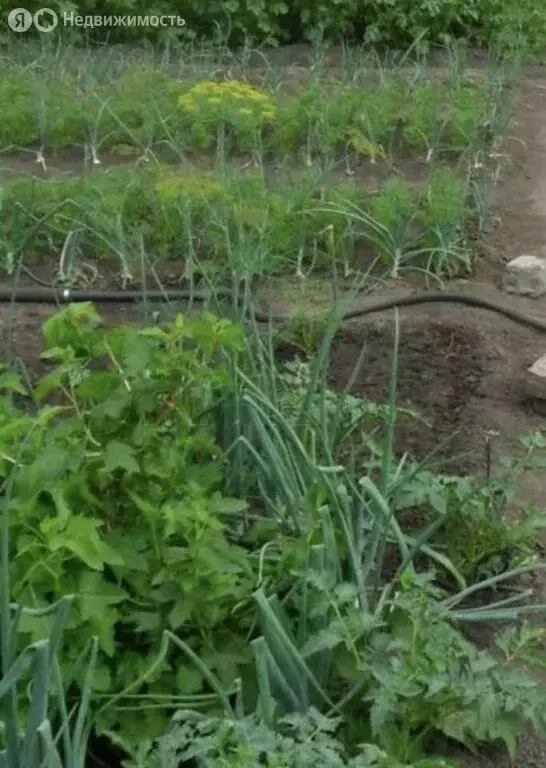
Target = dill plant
(210,108)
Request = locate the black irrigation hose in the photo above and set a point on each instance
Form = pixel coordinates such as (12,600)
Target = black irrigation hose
(51,296)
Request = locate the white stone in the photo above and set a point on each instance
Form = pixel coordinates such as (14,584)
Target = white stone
(535,379)
(525,276)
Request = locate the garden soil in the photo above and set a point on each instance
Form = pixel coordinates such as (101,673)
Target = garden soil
(460,367)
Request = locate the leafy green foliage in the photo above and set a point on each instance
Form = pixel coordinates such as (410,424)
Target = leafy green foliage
(147,110)
(238,223)
(517,27)
(439,116)
(138,109)
(281,599)
(394,210)
(177,492)
(408,229)
(357,425)
(234,223)
(444,214)
(485,531)
(417,678)
(425,678)
(37,740)
(118,500)
(39,113)
(379,115)
(319,117)
(513,25)
(438,20)
(446,205)
(249,743)
(340,639)
(420,678)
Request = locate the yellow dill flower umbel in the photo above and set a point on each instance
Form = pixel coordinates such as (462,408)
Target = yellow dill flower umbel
(230,89)
(208,105)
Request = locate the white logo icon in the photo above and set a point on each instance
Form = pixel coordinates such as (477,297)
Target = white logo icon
(45,20)
(21,20)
